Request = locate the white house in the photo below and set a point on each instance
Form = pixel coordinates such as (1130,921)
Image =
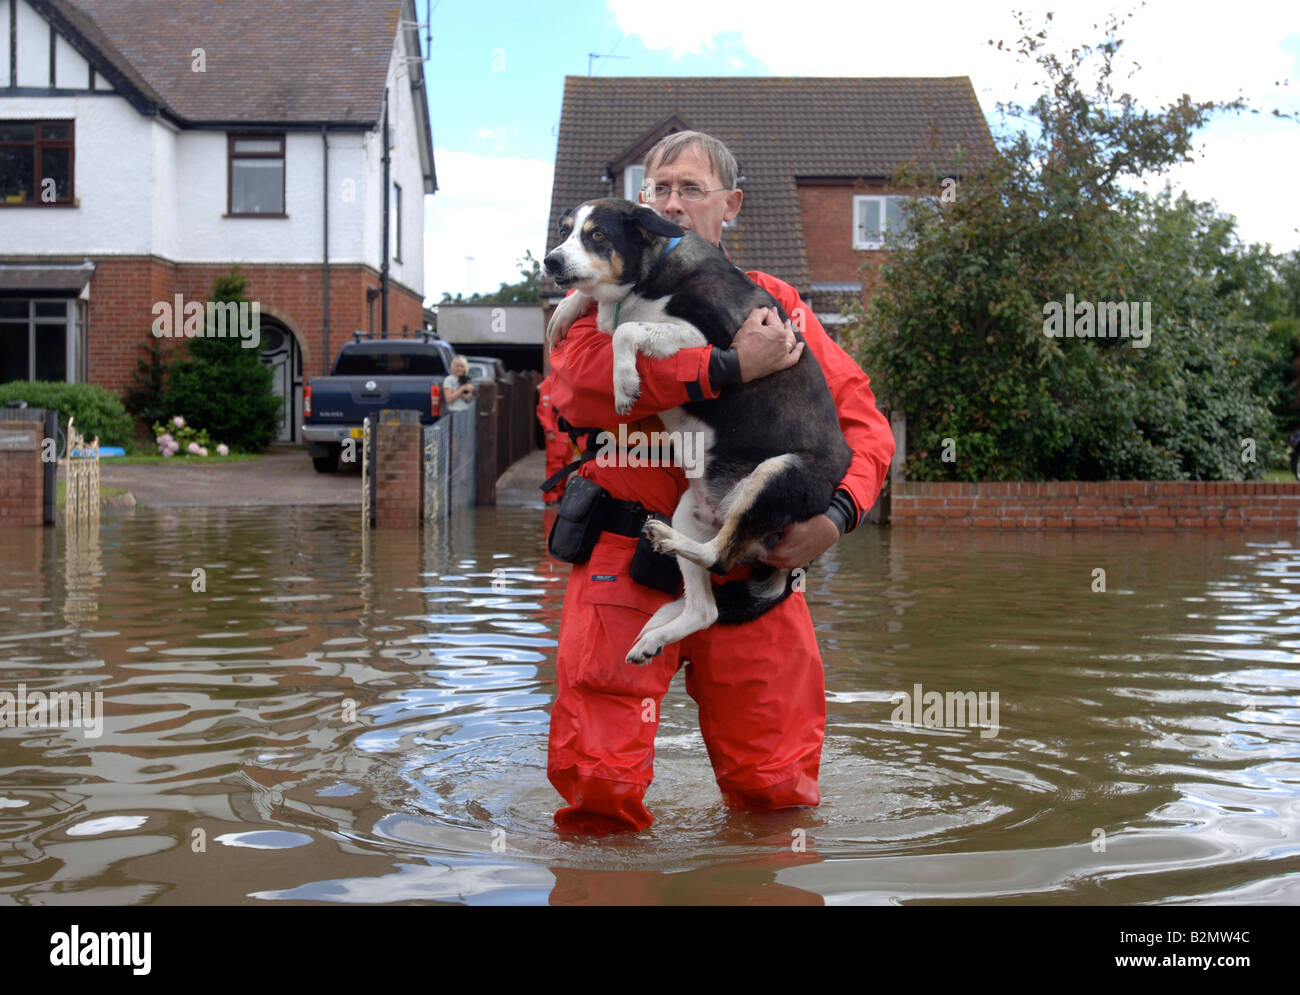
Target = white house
(147,146)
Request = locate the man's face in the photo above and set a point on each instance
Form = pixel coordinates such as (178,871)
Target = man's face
(704,217)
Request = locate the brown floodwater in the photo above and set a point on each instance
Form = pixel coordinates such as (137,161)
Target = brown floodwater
(294,710)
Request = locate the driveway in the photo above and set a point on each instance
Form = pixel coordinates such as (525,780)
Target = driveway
(283,476)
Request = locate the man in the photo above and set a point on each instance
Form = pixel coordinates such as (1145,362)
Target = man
(759,686)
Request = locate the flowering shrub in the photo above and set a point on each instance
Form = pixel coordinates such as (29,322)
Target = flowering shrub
(174,436)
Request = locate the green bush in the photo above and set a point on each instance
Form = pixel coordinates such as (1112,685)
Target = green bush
(97,412)
(224,387)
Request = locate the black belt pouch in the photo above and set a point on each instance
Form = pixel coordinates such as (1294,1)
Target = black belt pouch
(657,570)
(578,520)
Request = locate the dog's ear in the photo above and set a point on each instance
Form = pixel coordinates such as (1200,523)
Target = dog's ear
(652,223)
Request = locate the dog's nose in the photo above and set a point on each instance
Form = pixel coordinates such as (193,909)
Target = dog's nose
(552,264)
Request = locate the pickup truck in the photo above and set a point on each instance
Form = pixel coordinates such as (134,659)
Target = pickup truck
(368,376)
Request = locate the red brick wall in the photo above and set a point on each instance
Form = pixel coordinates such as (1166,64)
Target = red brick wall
(1093,505)
(827,214)
(22,478)
(399,470)
(123,292)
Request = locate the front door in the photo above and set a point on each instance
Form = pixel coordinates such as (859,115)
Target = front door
(280,352)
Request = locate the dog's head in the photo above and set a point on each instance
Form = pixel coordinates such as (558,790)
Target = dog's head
(608,246)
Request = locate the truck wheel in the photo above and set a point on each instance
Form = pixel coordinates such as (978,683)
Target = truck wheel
(326,464)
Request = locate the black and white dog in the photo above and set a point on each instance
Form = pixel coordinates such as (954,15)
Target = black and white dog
(772,448)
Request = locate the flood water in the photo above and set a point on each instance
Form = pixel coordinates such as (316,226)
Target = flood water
(325,715)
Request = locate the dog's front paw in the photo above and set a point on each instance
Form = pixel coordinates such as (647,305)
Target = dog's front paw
(566,313)
(624,399)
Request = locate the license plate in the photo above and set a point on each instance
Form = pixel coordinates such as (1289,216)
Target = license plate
(358,433)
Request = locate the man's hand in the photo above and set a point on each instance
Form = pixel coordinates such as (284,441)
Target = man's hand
(802,543)
(765,345)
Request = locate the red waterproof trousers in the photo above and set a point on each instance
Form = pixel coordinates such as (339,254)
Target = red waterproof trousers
(759,687)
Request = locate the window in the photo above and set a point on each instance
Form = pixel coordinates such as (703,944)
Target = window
(36,163)
(37,337)
(875,218)
(256,182)
(396,227)
(633,180)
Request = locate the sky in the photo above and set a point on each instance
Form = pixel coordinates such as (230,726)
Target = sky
(497,67)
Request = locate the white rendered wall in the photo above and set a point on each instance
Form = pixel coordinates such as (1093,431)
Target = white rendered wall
(33,47)
(111,179)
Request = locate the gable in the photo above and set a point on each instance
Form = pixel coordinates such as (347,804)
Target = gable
(42,51)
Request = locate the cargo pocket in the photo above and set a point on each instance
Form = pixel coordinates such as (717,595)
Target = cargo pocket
(621,607)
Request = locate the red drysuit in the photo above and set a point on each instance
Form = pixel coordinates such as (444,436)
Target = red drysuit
(559,447)
(759,686)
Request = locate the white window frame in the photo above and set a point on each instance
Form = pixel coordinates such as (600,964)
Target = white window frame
(633,180)
(858,201)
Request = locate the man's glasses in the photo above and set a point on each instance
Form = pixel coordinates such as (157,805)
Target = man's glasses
(662,191)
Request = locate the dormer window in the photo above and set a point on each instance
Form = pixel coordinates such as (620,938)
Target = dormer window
(256,176)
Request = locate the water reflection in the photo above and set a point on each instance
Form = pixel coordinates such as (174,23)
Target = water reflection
(298,710)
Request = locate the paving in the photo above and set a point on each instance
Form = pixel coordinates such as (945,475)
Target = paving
(285,475)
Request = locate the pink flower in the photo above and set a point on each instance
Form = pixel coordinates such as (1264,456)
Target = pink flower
(168,451)
(178,421)
(223,450)
(203,450)
(193,447)
(165,439)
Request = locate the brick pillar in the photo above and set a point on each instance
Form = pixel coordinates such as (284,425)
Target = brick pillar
(399,471)
(22,474)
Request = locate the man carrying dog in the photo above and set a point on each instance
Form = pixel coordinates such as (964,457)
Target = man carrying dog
(759,686)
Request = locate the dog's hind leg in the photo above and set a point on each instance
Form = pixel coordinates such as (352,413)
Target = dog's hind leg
(697,612)
(678,619)
(721,552)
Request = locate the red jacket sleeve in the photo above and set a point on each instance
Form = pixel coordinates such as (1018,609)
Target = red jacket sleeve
(583,391)
(865,429)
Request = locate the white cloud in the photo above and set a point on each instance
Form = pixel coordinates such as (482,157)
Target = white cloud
(488,207)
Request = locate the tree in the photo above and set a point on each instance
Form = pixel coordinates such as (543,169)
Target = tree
(223,388)
(959,333)
(147,398)
(526,291)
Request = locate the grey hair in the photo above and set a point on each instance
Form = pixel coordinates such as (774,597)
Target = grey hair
(668,148)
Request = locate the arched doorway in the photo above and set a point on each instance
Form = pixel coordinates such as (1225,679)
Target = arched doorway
(281,353)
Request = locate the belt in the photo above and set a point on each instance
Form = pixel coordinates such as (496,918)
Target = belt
(626,518)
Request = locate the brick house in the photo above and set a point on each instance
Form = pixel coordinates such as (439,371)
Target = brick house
(146,146)
(817,158)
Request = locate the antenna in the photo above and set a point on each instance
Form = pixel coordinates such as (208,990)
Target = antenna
(600,55)
(428,34)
